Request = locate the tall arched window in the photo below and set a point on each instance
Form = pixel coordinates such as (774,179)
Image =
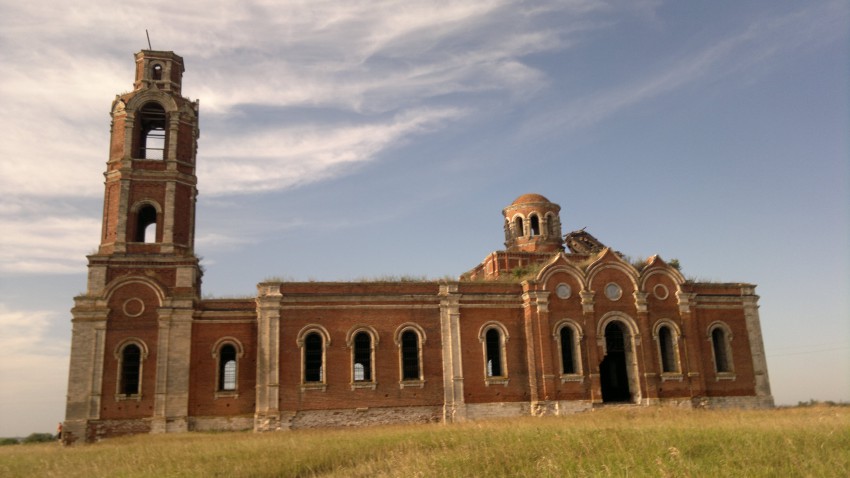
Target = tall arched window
(567,334)
(410,369)
(227,368)
(362,355)
(131,367)
(146,224)
(518,227)
(667,350)
(313,358)
(568,351)
(151,132)
(720,346)
(494,353)
(156,72)
(494,338)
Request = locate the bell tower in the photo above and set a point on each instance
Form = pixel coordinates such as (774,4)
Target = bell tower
(149,203)
(131,339)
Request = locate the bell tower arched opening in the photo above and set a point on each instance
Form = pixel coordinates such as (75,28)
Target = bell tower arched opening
(146,229)
(151,132)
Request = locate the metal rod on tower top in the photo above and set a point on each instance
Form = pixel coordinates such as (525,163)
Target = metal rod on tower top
(149,39)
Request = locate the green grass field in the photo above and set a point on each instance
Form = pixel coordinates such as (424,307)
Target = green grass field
(805,441)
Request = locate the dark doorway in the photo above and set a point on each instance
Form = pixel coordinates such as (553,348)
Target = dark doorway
(612,370)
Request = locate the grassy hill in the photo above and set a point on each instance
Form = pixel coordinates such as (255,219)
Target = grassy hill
(804,441)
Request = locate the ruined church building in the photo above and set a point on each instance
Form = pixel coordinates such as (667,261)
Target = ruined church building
(550,325)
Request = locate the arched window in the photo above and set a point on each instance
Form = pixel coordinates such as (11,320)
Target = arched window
(151,131)
(535,225)
(494,353)
(227,368)
(409,338)
(156,72)
(362,355)
(667,350)
(567,335)
(720,346)
(130,356)
(146,224)
(313,358)
(568,351)
(410,369)
(494,338)
(518,227)
(131,367)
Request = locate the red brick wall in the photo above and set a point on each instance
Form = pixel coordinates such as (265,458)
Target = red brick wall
(338,371)
(204,368)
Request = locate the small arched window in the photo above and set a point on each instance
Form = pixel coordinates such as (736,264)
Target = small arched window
(146,224)
(313,358)
(151,140)
(535,225)
(227,367)
(156,72)
(667,350)
(518,227)
(362,356)
(720,346)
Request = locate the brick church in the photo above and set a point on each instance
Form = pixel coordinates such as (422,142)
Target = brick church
(553,324)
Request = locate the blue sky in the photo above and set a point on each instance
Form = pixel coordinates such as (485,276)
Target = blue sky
(343,140)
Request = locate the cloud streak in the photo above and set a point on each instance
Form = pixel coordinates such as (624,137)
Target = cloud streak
(753,47)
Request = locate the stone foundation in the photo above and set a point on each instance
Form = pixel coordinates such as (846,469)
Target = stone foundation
(221,424)
(488,411)
(364,417)
(746,403)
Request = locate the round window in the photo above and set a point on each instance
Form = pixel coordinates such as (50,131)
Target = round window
(613,291)
(133,307)
(563,291)
(660,291)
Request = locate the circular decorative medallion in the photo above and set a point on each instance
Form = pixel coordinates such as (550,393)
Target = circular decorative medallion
(563,291)
(660,291)
(133,307)
(613,291)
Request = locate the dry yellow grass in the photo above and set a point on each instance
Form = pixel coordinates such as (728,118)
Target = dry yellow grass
(810,441)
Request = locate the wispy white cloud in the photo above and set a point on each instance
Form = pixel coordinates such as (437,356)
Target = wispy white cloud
(752,48)
(281,158)
(62,63)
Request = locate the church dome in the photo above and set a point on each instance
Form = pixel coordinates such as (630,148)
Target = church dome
(529,198)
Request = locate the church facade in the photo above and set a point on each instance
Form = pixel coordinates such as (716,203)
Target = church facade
(552,324)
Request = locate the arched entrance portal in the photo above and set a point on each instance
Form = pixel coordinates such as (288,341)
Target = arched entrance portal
(612,370)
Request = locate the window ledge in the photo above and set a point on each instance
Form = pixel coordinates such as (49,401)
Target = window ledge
(411,384)
(724,376)
(226,394)
(120,397)
(572,377)
(671,376)
(314,386)
(364,385)
(496,381)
